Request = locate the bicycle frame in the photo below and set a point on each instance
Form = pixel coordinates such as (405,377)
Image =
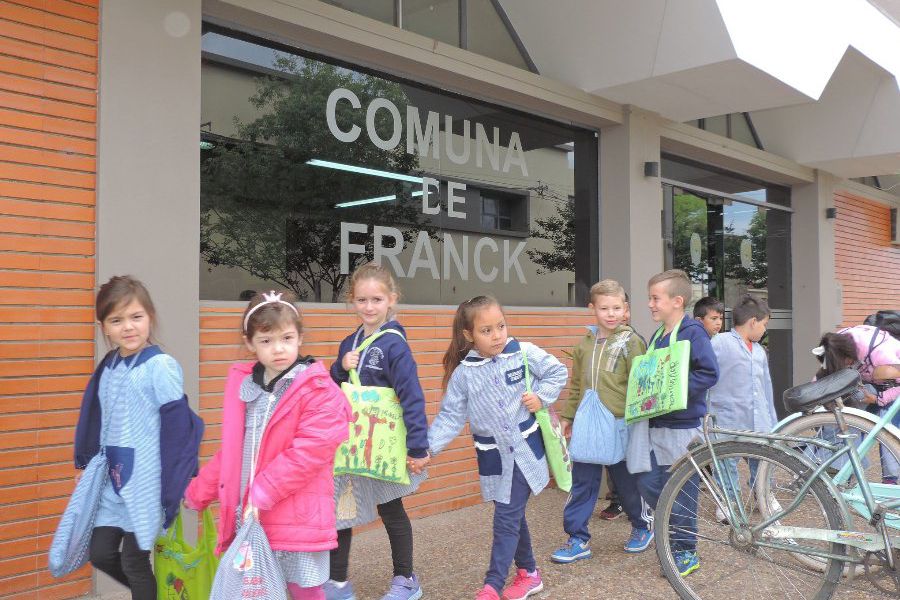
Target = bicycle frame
(768,528)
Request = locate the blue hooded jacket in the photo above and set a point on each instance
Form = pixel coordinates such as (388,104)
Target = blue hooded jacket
(703,374)
(388,362)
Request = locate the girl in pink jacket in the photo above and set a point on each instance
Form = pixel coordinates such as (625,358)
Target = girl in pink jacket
(285,411)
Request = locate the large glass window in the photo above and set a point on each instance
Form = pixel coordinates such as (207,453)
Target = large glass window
(310,169)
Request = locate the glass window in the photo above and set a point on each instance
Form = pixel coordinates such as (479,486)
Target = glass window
(487,35)
(310,169)
(438,19)
(381,10)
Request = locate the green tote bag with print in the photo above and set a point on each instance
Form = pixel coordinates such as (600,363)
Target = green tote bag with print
(377,444)
(555,447)
(184,572)
(658,382)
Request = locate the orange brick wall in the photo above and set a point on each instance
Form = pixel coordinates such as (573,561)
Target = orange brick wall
(48,101)
(866,263)
(453,481)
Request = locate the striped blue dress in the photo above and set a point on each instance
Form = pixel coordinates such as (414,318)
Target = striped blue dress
(487,392)
(131,392)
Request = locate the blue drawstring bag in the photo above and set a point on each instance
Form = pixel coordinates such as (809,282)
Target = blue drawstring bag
(71,543)
(598,437)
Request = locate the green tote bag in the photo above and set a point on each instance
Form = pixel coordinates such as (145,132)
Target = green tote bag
(658,381)
(555,448)
(184,572)
(377,444)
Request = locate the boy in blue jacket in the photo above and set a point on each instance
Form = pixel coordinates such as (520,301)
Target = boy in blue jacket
(655,445)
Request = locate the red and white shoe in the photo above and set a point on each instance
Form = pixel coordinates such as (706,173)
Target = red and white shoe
(524,585)
(487,593)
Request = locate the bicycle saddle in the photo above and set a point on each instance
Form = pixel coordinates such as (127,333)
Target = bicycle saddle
(808,396)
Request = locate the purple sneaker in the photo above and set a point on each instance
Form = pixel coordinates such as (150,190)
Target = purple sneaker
(404,588)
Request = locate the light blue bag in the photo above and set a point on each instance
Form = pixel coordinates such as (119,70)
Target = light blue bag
(598,437)
(72,540)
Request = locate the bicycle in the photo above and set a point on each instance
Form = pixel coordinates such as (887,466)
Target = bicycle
(793,533)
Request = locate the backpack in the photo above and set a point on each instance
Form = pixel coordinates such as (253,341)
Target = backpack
(886,320)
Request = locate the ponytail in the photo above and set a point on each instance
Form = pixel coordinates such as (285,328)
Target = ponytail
(463,321)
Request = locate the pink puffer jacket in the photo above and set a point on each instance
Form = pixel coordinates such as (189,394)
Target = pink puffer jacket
(294,484)
(886,352)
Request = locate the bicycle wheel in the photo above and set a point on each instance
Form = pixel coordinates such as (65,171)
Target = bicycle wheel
(734,561)
(823,425)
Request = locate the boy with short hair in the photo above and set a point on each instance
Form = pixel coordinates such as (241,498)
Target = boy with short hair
(743,399)
(656,444)
(602,360)
(710,311)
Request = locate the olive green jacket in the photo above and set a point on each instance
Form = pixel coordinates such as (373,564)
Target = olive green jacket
(612,363)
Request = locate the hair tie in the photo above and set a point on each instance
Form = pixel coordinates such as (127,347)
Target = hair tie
(272,297)
(818,351)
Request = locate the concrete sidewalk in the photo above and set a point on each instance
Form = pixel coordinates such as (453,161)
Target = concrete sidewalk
(452,551)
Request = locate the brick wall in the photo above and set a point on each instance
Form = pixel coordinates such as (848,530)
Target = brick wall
(866,263)
(48,96)
(453,481)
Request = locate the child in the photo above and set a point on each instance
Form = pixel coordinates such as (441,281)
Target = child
(654,446)
(284,416)
(387,362)
(742,399)
(489,392)
(135,401)
(602,360)
(710,311)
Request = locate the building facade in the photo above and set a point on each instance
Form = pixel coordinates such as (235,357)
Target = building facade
(215,147)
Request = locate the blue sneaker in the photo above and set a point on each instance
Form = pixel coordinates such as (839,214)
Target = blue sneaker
(333,592)
(574,550)
(404,588)
(686,561)
(639,541)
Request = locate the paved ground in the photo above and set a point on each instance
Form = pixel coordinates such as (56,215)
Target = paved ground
(452,550)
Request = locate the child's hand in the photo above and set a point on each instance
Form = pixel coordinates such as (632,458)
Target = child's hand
(531,401)
(417,465)
(350,360)
(565,427)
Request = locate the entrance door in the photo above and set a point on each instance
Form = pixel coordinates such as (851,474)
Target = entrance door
(724,246)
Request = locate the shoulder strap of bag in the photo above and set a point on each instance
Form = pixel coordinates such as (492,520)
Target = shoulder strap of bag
(354,375)
(673,337)
(527,373)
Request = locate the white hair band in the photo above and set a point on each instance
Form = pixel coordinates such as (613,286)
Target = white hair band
(272,297)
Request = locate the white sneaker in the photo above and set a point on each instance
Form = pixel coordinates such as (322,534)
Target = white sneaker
(721,517)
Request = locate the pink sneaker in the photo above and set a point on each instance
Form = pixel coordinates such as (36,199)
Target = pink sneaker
(487,593)
(524,585)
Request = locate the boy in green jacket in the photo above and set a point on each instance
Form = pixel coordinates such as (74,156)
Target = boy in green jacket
(602,361)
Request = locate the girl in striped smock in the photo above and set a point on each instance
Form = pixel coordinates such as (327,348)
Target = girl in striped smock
(489,391)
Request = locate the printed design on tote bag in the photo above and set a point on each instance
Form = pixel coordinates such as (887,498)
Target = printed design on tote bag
(243,558)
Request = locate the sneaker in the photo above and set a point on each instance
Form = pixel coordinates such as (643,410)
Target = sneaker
(404,588)
(721,517)
(889,480)
(524,585)
(639,541)
(574,550)
(487,593)
(686,561)
(611,512)
(334,592)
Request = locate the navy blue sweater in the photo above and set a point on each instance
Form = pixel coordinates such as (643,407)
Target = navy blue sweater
(703,374)
(388,362)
